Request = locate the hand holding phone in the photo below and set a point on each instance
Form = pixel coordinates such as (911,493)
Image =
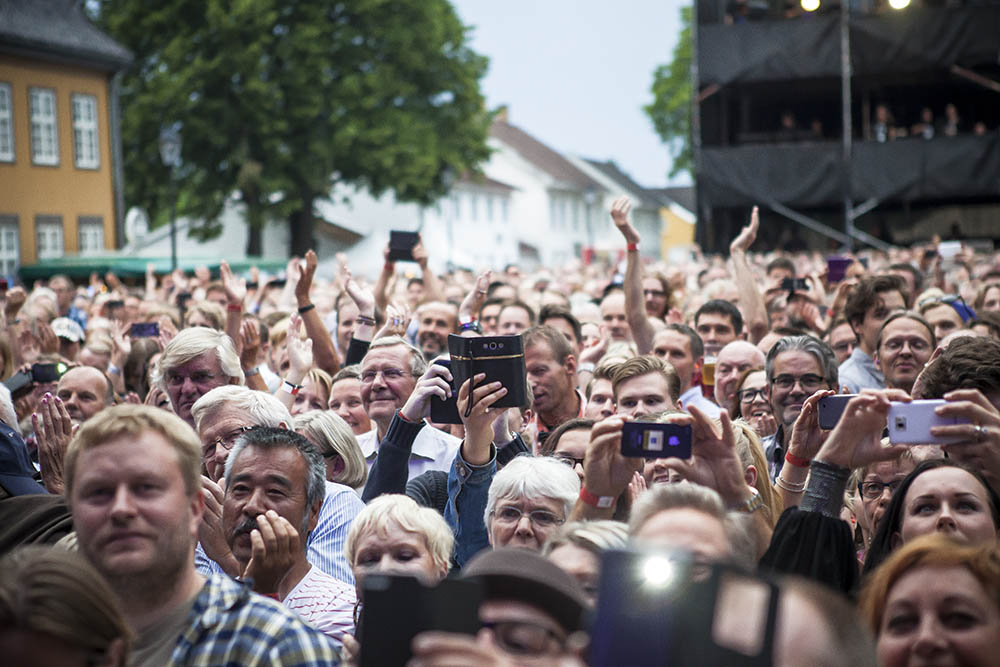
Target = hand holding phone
(794,285)
(144,330)
(911,423)
(651,440)
(401,246)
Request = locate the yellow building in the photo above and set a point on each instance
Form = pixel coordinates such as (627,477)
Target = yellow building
(60,173)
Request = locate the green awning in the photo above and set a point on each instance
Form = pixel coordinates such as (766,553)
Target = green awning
(81,266)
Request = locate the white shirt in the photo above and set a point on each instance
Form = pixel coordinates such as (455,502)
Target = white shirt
(693,396)
(324,603)
(433,449)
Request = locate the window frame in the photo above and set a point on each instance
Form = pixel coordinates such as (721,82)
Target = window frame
(37,158)
(89,127)
(8,118)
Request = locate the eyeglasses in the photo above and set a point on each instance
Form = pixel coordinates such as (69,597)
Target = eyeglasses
(654,292)
(571,461)
(199,378)
(750,395)
(388,374)
(539,518)
(228,440)
(810,382)
(523,638)
(873,490)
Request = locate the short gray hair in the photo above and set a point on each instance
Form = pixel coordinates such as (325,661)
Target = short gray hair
(417,363)
(814,346)
(267,438)
(533,477)
(262,408)
(194,342)
(394,509)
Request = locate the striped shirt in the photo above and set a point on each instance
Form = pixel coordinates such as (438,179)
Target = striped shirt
(230,625)
(325,547)
(324,603)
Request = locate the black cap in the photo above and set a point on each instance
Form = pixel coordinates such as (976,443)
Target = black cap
(525,576)
(16,471)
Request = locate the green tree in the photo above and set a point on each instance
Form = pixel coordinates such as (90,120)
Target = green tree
(281,99)
(670,109)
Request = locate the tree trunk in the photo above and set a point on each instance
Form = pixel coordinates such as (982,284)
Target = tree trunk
(255,222)
(301,229)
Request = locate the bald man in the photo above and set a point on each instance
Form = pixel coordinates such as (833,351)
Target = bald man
(84,391)
(735,358)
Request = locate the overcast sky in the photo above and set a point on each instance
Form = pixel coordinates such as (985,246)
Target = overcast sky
(576,73)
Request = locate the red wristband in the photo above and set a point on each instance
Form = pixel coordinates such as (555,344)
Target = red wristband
(389,266)
(632,247)
(234,307)
(600,502)
(796,461)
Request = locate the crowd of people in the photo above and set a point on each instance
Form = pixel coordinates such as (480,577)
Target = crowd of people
(238,470)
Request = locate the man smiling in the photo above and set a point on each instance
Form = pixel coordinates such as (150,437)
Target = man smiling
(905,344)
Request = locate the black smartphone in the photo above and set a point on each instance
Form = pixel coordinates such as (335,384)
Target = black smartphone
(794,285)
(253,284)
(401,245)
(650,440)
(144,330)
(501,358)
(44,373)
(831,408)
(397,608)
(445,410)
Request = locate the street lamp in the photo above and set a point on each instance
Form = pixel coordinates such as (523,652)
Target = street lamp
(170,154)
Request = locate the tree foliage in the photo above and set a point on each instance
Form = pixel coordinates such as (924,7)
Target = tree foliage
(280,99)
(670,109)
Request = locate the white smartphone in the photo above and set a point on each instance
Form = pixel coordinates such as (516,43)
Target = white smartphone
(910,423)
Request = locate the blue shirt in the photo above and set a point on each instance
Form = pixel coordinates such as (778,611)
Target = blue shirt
(860,372)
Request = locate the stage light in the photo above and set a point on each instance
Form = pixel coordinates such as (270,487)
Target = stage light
(809,5)
(899,4)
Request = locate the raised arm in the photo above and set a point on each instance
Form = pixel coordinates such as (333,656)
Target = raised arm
(236,293)
(433,289)
(384,280)
(750,299)
(635,305)
(324,354)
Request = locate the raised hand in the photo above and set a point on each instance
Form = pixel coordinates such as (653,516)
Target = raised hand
(747,235)
(306,271)
(434,382)
(473,301)
(856,441)
(236,288)
(619,214)
(300,354)
(977,442)
(605,471)
(250,338)
(807,437)
(363,298)
(53,431)
(275,545)
(479,419)
(397,319)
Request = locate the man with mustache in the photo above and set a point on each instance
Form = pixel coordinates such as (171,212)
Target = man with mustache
(435,320)
(222,416)
(274,490)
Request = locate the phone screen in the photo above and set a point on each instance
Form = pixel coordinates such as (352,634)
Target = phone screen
(656,441)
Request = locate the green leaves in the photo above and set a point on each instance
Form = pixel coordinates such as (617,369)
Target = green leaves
(670,109)
(276,96)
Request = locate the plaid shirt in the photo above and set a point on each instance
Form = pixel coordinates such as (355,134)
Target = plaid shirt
(230,625)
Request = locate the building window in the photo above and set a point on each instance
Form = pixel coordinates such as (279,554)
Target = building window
(6,123)
(44,135)
(9,245)
(86,148)
(49,232)
(91,233)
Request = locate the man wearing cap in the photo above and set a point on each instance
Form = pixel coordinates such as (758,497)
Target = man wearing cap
(70,336)
(530,609)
